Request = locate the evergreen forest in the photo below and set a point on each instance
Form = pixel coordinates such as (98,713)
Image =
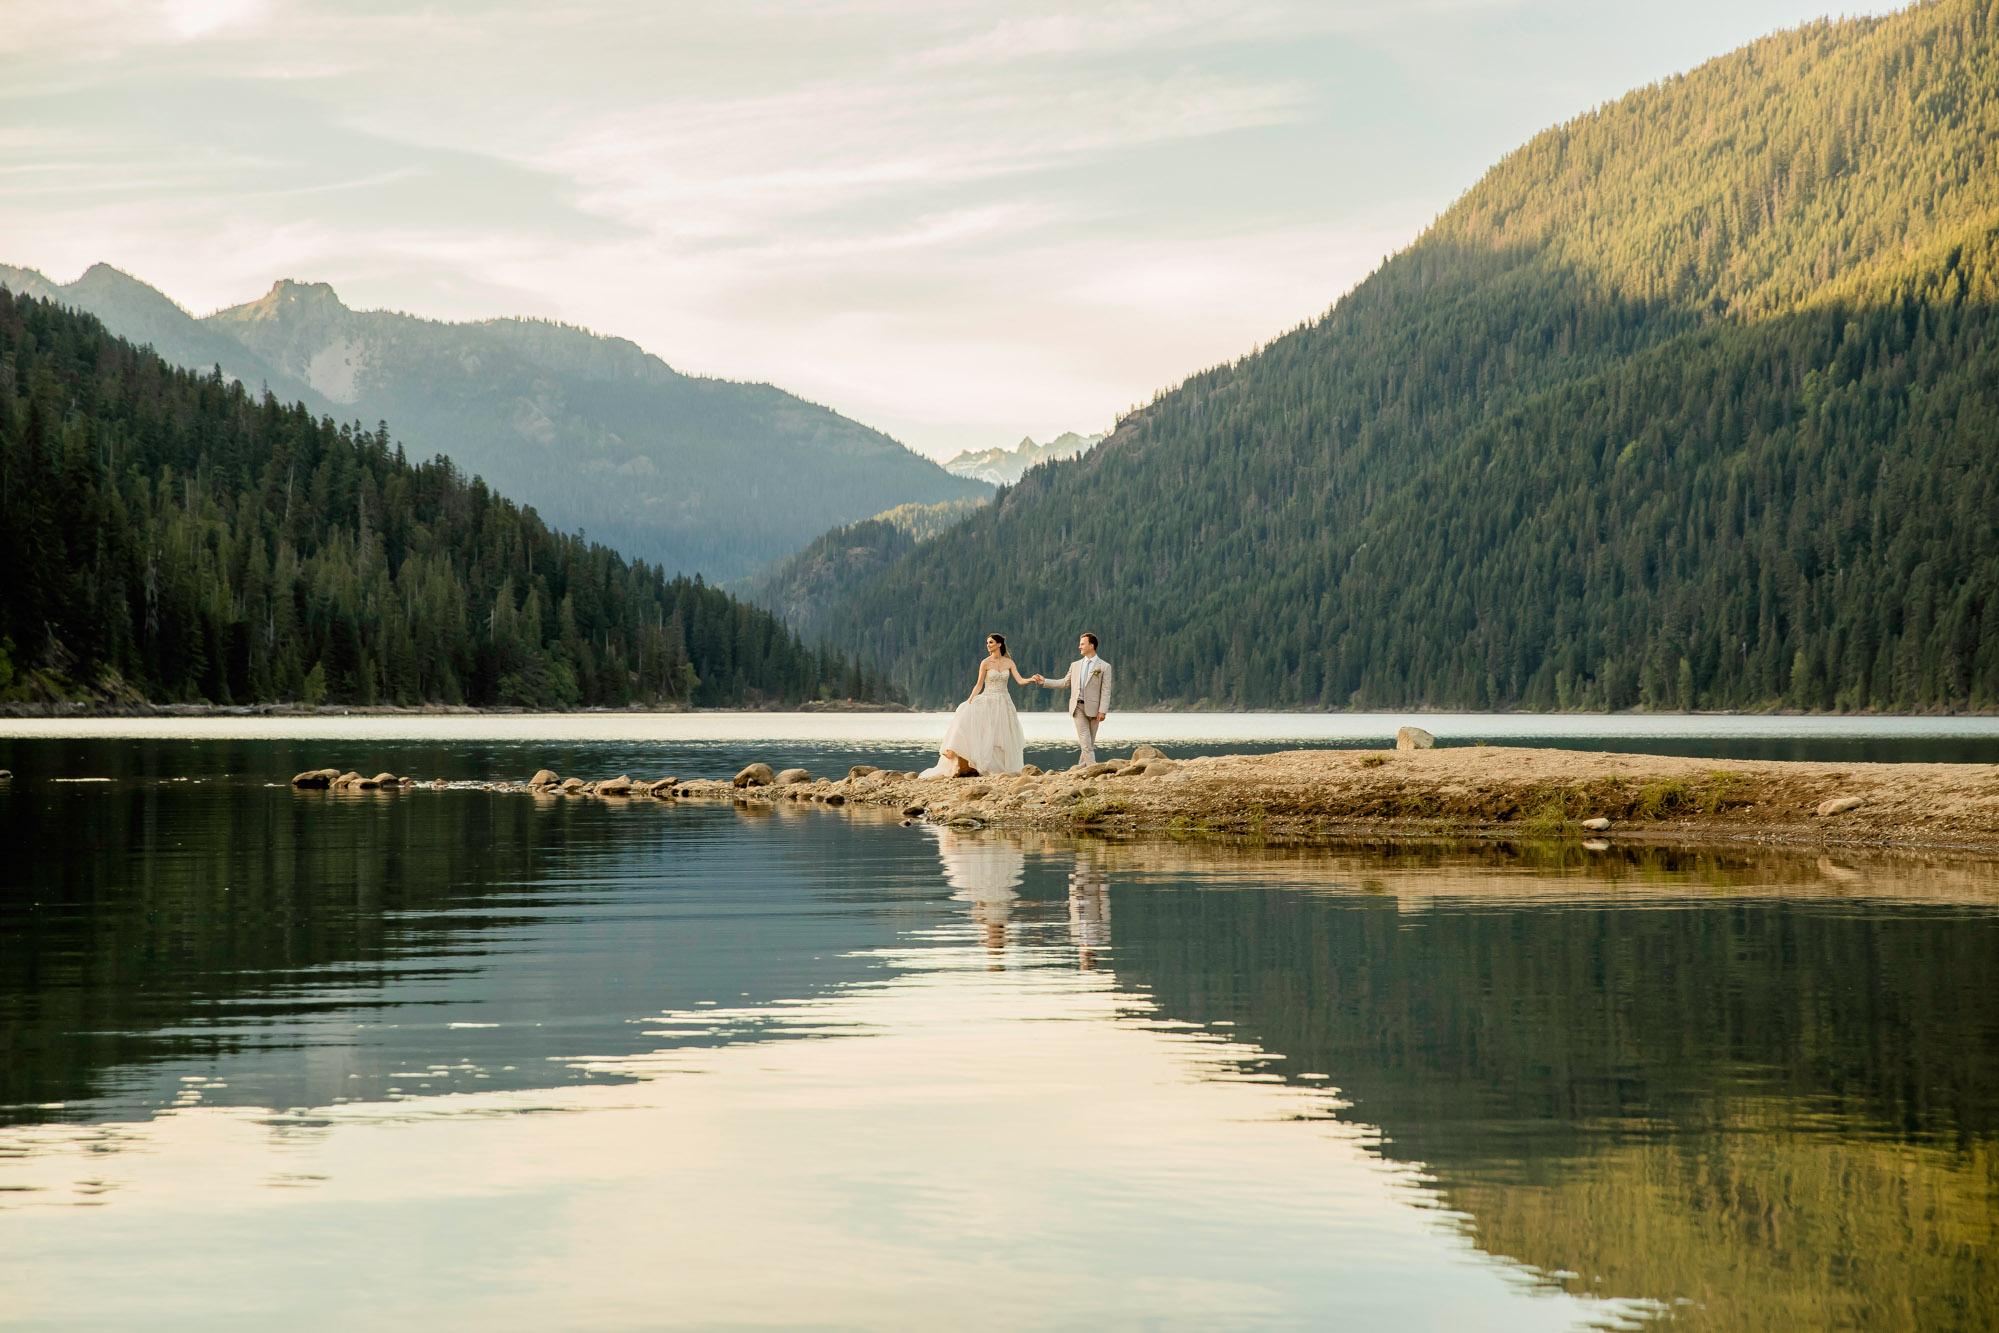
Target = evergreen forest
(168,536)
(1690,403)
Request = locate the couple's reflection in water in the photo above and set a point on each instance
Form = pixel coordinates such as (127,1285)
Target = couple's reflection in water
(986,870)
(1089,910)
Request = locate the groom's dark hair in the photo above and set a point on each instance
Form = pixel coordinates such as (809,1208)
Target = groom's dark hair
(1091,637)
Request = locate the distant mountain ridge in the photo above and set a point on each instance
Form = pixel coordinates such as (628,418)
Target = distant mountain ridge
(1688,404)
(1004,467)
(690,473)
(172,538)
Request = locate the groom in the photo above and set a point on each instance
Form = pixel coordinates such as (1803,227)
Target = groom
(1089,682)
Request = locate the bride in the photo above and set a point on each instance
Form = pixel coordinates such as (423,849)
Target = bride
(984,736)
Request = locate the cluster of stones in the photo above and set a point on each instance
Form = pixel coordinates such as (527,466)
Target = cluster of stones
(944,800)
(543,783)
(350,781)
(796,784)
(546,782)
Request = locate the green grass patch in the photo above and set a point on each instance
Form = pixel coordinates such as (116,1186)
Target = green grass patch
(1671,798)
(1090,809)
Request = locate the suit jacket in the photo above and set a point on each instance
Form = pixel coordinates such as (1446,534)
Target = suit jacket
(1087,696)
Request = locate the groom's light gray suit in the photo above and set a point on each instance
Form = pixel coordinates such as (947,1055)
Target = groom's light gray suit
(1089,685)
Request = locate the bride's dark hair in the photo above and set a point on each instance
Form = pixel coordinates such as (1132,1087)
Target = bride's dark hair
(1002,642)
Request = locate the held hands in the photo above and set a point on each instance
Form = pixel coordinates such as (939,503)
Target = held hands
(1038,680)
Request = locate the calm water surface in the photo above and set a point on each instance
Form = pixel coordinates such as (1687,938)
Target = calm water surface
(451,1059)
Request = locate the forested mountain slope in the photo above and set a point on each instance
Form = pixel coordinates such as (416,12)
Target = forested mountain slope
(687,472)
(167,535)
(1691,402)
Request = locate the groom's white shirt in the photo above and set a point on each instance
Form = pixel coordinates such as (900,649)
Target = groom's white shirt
(1089,681)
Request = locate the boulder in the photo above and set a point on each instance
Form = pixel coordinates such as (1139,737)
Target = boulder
(1098,770)
(1131,771)
(911,811)
(862,770)
(756,775)
(1414,738)
(835,798)
(1160,767)
(318,777)
(975,792)
(572,784)
(621,785)
(1145,752)
(347,779)
(791,775)
(662,789)
(1030,770)
(911,774)
(544,778)
(387,780)
(366,784)
(1597,825)
(1839,805)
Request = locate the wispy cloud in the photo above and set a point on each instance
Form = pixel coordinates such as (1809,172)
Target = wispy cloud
(959,220)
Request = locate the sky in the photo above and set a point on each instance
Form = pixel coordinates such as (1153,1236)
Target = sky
(958,222)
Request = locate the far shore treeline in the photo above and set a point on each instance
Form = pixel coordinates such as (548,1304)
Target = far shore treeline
(169,536)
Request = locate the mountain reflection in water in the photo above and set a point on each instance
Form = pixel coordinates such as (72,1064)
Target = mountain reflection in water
(1764,1086)
(1740,1090)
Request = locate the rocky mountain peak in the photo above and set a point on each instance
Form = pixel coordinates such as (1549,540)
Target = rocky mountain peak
(105,275)
(1003,467)
(289,298)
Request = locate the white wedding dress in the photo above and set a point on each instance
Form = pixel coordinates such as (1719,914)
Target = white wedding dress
(985,730)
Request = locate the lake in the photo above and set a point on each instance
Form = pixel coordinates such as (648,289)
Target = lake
(457,1059)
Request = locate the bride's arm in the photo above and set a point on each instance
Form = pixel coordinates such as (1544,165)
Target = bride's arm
(1014,667)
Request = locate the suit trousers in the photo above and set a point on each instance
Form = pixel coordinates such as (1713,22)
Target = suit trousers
(1086,735)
